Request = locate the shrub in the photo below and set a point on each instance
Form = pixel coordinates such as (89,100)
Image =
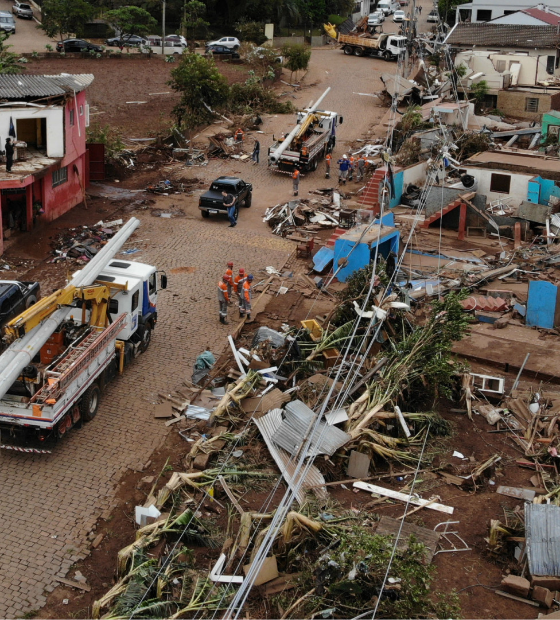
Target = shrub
(336,20)
(253,97)
(251,31)
(296,57)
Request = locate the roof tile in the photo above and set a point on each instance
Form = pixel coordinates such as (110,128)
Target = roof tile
(504,35)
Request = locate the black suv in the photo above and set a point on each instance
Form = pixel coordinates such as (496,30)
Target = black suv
(77,45)
(212,201)
(15,297)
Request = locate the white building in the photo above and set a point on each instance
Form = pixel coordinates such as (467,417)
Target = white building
(479,11)
(540,15)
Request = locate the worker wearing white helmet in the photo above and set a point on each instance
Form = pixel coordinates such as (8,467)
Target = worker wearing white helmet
(343,166)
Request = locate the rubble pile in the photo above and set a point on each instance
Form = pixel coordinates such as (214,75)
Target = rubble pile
(79,245)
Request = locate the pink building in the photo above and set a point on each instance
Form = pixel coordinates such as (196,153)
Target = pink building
(49,116)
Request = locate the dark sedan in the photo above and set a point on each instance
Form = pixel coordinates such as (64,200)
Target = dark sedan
(77,45)
(221,49)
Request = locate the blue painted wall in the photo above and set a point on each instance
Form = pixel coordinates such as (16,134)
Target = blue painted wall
(540,190)
(398,180)
(363,253)
(541,304)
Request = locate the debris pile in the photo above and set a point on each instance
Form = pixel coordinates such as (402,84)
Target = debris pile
(81,244)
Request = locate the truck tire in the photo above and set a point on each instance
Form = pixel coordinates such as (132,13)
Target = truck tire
(358,51)
(248,200)
(205,213)
(146,338)
(314,165)
(348,50)
(30,301)
(387,56)
(90,402)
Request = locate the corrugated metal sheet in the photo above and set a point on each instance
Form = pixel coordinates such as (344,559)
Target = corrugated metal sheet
(336,416)
(542,536)
(299,422)
(29,86)
(267,426)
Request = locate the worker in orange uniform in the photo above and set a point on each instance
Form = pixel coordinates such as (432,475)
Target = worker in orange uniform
(223,298)
(238,285)
(239,135)
(229,274)
(351,168)
(295,179)
(247,296)
(328,160)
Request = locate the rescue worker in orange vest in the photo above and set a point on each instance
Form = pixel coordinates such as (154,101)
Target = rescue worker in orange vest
(229,274)
(351,168)
(238,284)
(295,179)
(223,298)
(328,160)
(239,135)
(247,296)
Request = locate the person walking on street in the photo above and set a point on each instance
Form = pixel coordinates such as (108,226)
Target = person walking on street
(238,287)
(343,165)
(9,154)
(420,10)
(361,168)
(223,298)
(295,178)
(256,152)
(247,297)
(328,159)
(229,204)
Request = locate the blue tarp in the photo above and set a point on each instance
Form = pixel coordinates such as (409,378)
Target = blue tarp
(322,259)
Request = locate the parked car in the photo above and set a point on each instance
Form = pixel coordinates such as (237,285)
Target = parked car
(22,10)
(212,201)
(433,16)
(131,40)
(399,16)
(15,297)
(175,39)
(374,20)
(77,45)
(230,42)
(221,49)
(380,14)
(7,23)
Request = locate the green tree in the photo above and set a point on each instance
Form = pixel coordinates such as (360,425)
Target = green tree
(8,60)
(192,19)
(296,57)
(65,17)
(202,88)
(131,20)
(252,32)
(479,91)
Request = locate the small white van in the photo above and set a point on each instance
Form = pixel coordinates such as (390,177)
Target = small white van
(388,6)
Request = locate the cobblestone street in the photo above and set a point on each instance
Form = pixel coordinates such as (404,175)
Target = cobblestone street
(51,502)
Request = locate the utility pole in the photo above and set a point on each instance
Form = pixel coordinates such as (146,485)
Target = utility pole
(163,31)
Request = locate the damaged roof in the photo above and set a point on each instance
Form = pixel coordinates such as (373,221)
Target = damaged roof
(504,35)
(30,86)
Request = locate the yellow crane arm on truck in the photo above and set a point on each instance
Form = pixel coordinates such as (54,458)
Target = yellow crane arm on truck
(331,31)
(98,294)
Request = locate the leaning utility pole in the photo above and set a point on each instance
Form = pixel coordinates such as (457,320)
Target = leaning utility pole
(163,31)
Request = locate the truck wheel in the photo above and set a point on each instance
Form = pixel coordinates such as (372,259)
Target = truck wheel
(314,164)
(90,402)
(248,200)
(358,51)
(387,56)
(205,214)
(30,301)
(146,338)
(348,50)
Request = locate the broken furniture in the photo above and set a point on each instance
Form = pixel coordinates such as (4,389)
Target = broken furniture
(347,218)
(305,251)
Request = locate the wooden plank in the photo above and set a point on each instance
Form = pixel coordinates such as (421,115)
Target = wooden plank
(403,497)
(74,584)
(170,422)
(390,527)
(230,495)
(517,598)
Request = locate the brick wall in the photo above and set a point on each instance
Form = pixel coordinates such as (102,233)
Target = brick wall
(513,103)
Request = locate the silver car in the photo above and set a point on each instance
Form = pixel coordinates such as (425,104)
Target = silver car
(7,23)
(22,10)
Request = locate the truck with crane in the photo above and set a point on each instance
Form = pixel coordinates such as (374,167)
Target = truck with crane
(308,142)
(382,45)
(63,350)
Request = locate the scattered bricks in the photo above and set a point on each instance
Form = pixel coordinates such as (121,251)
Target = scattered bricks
(97,541)
(543,596)
(552,583)
(146,481)
(201,462)
(516,585)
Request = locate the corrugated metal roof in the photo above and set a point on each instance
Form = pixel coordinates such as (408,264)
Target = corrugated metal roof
(29,86)
(268,425)
(299,422)
(504,35)
(542,536)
